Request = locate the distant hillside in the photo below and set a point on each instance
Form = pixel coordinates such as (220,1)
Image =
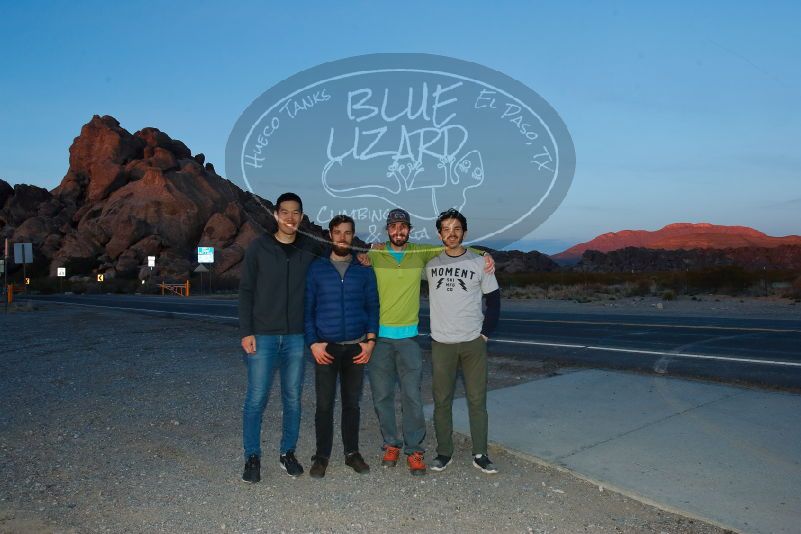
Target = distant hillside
(678,236)
(631,259)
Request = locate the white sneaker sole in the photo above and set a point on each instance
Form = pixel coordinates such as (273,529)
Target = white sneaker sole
(287,472)
(488,471)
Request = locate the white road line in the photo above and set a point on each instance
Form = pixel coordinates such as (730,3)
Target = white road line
(654,325)
(540,343)
(653,353)
(139,309)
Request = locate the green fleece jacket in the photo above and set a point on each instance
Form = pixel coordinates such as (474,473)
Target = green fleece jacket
(399,283)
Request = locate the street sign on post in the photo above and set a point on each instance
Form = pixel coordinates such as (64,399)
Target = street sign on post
(23,253)
(151,261)
(100,278)
(205,254)
(201,269)
(61,272)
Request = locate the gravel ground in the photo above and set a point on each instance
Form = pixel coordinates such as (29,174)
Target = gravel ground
(118,422)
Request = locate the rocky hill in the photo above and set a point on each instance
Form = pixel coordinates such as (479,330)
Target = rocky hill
(514,261)
(679,236)
(783,257)
(128,196)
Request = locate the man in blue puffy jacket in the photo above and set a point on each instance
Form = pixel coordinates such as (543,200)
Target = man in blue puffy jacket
(341,323)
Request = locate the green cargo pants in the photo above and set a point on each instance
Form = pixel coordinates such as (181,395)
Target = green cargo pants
(445,359)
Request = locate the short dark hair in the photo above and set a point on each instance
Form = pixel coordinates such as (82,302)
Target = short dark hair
(288,196)
(451,214)
(341,218)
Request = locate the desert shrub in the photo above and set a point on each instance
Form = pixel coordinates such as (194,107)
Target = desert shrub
(640,288)
(668,295)
(731,280)
(794,291)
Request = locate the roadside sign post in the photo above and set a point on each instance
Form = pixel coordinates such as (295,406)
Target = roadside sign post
(206,255)
(23,253)
(151,262)
(5,274)
(202,269)
(62,272)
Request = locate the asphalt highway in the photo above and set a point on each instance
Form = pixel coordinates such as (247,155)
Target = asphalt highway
(752,351)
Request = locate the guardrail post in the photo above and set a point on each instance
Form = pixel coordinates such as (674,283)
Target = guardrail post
(187,288)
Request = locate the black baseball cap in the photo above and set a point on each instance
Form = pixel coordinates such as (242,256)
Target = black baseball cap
(398,215)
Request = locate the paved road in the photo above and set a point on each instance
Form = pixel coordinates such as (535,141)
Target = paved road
(753,351)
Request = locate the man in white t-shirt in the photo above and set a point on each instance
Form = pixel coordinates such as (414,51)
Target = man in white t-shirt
(460,331)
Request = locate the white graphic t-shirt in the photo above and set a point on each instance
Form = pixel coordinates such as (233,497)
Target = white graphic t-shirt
(455,288)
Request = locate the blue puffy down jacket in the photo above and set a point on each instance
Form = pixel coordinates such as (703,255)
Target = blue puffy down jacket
(338,310)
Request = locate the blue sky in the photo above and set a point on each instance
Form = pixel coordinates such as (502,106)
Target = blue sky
(678,112)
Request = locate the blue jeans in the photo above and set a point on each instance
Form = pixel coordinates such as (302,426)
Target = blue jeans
(284,352)
(398,361)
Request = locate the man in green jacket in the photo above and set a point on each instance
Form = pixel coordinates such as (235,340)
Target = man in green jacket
(397,357)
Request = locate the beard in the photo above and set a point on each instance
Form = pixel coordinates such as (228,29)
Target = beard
(340,250)
(399,241)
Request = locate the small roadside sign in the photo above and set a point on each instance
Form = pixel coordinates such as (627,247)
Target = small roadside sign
(62,271)
(27,281)
(100,277)
(151,261)
(205,254)
(23,253)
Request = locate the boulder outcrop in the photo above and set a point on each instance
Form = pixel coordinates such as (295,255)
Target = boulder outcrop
(128,196)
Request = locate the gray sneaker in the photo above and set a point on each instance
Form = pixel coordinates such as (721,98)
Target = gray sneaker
(439,463)
(482,461)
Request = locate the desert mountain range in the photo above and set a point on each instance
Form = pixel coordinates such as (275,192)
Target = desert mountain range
(679,236)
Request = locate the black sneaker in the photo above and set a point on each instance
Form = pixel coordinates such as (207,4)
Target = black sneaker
(252,471)
(355,461)
(439,463)
(291,464)
(482,461)
(318,467)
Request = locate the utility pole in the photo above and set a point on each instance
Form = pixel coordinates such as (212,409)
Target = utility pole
(5,272)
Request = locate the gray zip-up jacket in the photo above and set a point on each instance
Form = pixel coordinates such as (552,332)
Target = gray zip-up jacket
(272,285)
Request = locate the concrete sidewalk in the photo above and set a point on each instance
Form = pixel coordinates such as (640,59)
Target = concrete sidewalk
(729,455)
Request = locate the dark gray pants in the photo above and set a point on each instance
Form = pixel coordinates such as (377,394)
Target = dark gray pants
(398,361)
